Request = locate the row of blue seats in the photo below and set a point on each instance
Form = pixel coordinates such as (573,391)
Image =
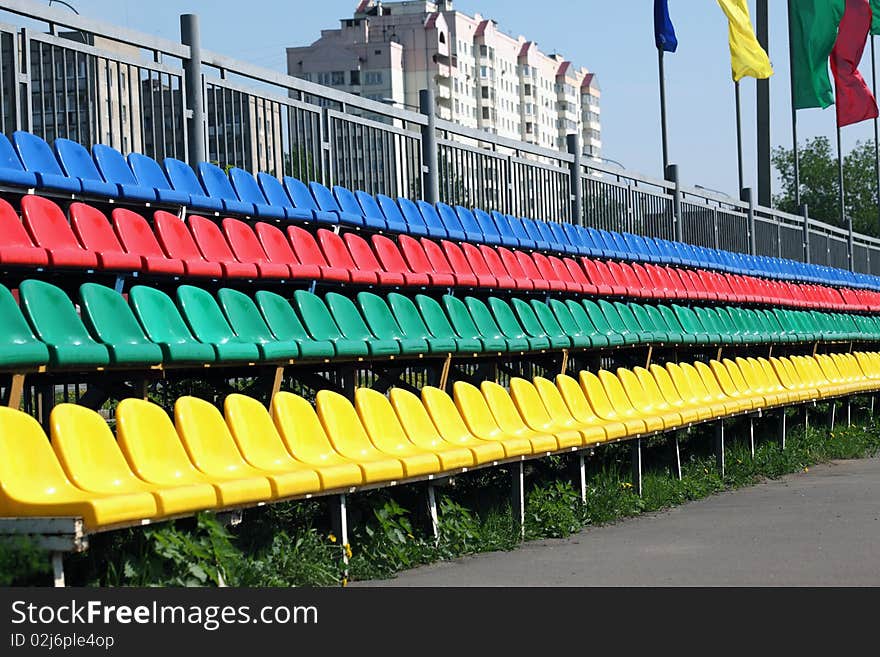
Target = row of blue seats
(70,168)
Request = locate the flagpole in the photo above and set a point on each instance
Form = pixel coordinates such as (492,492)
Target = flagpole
(739,140)
(876,124)
(794,135)
(845,221)
(663,133)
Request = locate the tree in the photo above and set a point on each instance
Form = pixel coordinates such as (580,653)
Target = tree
(819,189)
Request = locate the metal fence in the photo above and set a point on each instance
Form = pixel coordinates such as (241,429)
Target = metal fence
(62,75)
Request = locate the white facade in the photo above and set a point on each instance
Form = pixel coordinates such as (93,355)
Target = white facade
(482,78)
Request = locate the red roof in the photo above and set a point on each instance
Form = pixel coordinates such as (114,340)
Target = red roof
(362,7)
(525,48)
(588,80)
(481,28)
(563,69)
(431,23)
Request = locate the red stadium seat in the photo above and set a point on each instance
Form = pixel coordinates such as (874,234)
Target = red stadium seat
(578,276)
(137,238)
(279,251)
(391,259)
(178,242)
(596,277)
(96,234)
(247,248)
(215,248)
(441,264)
(364,258)
(505,277)
(515,269)
(530,267)
(460,262)
(16,247)
(310,254)
(483,267)
(549,273)
(338,255)
(417,260)
(48,227)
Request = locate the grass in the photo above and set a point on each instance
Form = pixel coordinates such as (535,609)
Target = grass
(291,544)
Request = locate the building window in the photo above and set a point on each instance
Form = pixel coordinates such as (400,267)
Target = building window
(337,78)
(355,77)
(442,38)
(485,92)
(373,78)
(486,113)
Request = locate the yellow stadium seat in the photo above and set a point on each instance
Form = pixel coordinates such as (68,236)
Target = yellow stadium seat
(581,410)
(387,434)
(682,400)
(603,406)
(731,389)
(33,483)
(648,404)
(662,403)
(480,421)
(91,457)
(869,363)
(775,382)
(714,394)
(718,406)
(422,431)
(454,427)
(511,422)
(623,405)
(791,379)
(532,409)
(810,373)
(349,438)
(559,411)
(211,447)
(848,366)
(260,444)
(305,439)
(156,454)
(754,379)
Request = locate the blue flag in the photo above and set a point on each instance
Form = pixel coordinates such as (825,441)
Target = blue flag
(664,32)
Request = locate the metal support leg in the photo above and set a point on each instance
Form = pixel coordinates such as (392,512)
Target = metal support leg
(752,436)
(432,512)
(719,447)
(119,285)
(636,450)
(444,375)
(806,418)
(582,471)
(58,569)
(518,497)
(340,526)
(277,380)
(676,457)
(849,412)
(564,368)
(650,355)
(832,415)
(782,428)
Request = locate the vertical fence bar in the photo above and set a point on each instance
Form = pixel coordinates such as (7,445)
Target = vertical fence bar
(430,177)
(190,36)
(573,142)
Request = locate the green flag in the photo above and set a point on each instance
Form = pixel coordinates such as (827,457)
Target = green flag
(875,20)
(813,31)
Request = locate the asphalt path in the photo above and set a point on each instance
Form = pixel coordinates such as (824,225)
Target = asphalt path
(819,528)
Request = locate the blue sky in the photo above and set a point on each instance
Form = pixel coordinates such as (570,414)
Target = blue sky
(615,39)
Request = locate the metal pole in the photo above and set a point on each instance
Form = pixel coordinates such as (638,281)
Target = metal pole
(805,213)
(672,175)
(430,166)
(748,196)
(794,136)
(765,176)
(876,124)
(845,220)
(739,137)
(195,100)
(573,142)
(663,133)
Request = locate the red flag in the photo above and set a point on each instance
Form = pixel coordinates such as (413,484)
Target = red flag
(855,102)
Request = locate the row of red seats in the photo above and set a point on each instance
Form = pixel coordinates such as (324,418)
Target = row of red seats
(199,247)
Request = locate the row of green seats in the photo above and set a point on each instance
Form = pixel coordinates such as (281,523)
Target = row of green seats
(150,328)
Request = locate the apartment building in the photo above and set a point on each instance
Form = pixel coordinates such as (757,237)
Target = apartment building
(482,77)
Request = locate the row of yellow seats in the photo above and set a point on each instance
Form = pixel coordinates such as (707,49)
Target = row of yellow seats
(155,469)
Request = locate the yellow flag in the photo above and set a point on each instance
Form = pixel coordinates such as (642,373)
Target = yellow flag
(747,57)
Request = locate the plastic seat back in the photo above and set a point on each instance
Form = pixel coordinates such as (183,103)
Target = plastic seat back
(255,434)
(273,190)
(77,162)
(183,178)
(95,233)
(245,187)
(316,316)
(18,344)
(149,173)
(36,154)
(301,430)
(415,222)
(49,228)
(111,319)
(163,324)
(113,166)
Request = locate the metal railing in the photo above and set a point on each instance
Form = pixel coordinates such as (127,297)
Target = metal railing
(62,75)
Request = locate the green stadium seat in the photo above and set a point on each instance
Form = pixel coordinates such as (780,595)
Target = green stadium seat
(513,328)
(208,325)
(245,319)
(467,327)
(164,326)
(352,325)
(382,322)
(541,323)
(581,338)
(439,326)
(56,322)
(322,327)
(281,319)
(513,336)
(19,346)
(412,324)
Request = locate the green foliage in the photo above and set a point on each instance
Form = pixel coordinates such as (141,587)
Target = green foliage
(22,563)
(554,510)
(819,183)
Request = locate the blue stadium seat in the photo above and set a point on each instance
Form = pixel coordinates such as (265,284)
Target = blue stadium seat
(77,162)
(508,236)
(574,239)
(216,183)
(415,222)
(348,203)
(328,203)
(561,238)
(470,224)
(593,250)
(12,171)
(435,225)
(615,241)
(248,190)
(184,179)
(453,226)
(114,168)
(491,235)
(302,198)
(548,235)
(37,156)
(149,173)
(277,197)
(394,218)
(372,212)
(535,235)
